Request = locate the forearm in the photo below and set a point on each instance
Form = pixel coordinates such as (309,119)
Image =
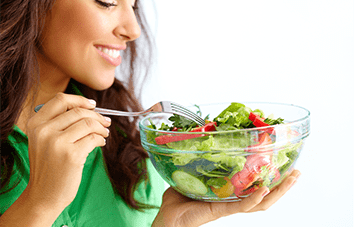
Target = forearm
(26,212)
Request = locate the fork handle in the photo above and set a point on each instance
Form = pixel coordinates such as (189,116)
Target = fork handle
(116,112)
(103,111)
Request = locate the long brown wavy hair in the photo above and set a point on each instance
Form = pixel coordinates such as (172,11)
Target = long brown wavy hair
(21,25)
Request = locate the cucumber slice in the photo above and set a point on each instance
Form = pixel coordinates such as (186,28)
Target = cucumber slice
(188,183)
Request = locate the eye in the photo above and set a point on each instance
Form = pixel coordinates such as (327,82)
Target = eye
(135,5)
(105,4)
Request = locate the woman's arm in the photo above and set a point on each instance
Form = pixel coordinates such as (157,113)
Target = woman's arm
(178,210)
(28,212)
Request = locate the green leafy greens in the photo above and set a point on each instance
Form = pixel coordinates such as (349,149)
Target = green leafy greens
(220,161)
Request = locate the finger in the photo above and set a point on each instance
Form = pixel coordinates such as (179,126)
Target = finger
(83,128)
(63,102)
(277,192)
(91,141)
(213,211)
(63,121)
(246,204)
(88,143)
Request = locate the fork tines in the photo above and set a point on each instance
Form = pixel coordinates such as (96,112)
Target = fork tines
(186,113)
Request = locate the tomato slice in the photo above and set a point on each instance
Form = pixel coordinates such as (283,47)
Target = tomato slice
(264,140)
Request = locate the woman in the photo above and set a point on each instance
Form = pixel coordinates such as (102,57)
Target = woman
(53,170)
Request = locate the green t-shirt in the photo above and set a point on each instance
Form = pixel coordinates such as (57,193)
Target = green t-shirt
(95,204)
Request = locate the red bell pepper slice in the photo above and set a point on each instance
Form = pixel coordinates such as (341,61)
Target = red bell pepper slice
(258,122)
(252,116)
(211,126)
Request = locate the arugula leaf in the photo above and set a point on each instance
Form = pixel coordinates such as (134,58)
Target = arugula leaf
(181,122)
(214,173)
(271,121)
(164,127)
(199,112)
(150,135)
(152,125)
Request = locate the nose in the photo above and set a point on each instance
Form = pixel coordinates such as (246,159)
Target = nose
(128,27)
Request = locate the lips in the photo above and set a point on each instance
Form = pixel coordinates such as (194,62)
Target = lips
(110,53)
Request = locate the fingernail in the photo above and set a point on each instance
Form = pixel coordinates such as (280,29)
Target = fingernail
(92,102)
(265,193)
(107,119)
(107,130)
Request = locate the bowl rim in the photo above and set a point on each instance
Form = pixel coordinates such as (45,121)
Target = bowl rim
(306,117)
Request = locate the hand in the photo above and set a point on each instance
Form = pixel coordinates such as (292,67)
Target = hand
(60,137)
(178,210)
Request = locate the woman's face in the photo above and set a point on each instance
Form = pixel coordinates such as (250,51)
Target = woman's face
(82,39)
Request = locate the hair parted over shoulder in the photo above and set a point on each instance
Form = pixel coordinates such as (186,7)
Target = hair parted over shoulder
(22,22)
(20,28)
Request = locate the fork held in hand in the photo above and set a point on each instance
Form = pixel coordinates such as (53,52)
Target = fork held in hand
(160,107)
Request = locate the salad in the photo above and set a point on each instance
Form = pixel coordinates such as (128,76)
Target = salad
(223,165)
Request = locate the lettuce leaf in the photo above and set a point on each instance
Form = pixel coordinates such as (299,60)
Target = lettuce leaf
(286,156)
(216,182)
(196,144)
(228,160)
(184,159)
(234,116)
(280,159)
(233,107)
(259,112)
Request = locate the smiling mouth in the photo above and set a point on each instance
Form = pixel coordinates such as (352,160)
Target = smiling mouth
(111,52)
(112,55)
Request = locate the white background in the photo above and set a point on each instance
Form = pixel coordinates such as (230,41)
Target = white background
(299,52)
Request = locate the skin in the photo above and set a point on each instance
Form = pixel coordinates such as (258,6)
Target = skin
(178,210)
(66,129)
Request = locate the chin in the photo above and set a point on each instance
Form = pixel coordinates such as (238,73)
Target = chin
(103,86)
(99,85)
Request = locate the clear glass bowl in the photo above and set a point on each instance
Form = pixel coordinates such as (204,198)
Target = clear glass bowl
(238,163)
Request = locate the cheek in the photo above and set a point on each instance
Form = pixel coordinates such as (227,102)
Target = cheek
(74,26)
(86,26)
(69,35)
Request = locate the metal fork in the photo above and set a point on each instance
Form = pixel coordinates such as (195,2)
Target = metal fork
(160,107)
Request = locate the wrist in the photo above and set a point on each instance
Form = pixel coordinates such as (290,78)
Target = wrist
(41,205)
(28,211)
(158,222)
